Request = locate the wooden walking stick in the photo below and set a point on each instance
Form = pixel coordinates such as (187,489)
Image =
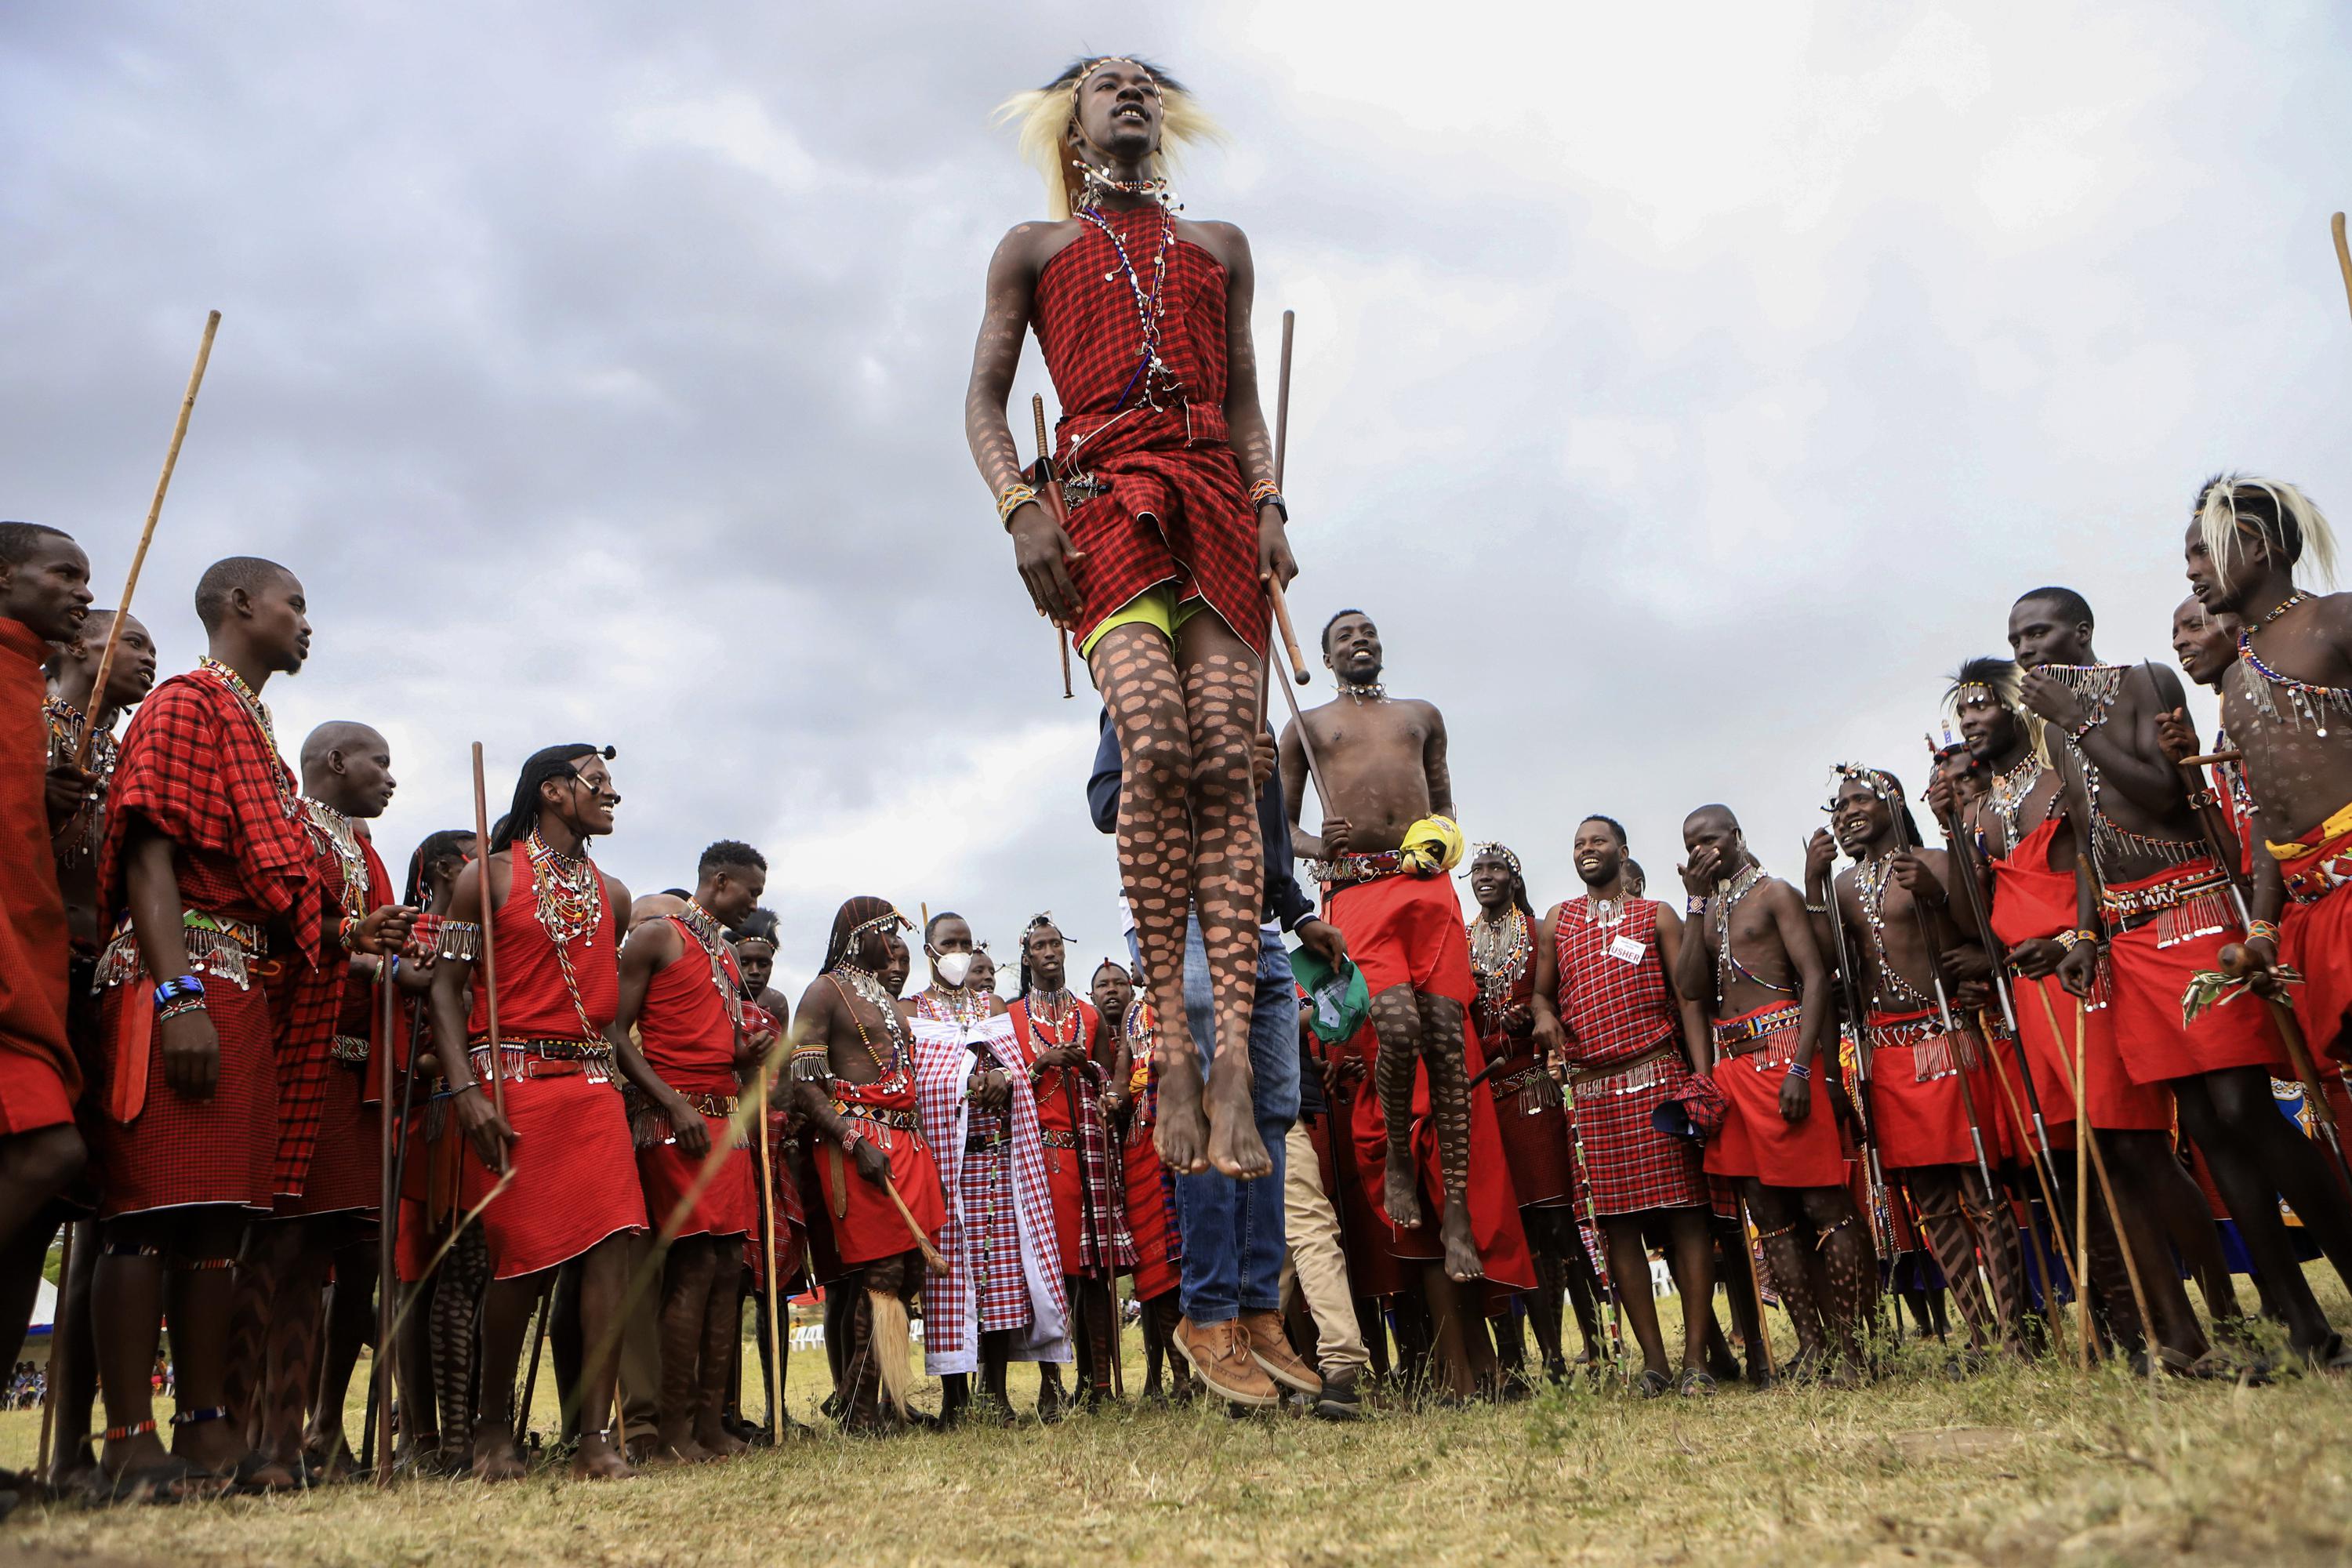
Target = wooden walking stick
(44,1462)
(489,958)
(1297,667)
(2086,1140)
(1049,492)
(387,1222)
(2343,253)
(1757,1264)
(146,538)
(768,1275)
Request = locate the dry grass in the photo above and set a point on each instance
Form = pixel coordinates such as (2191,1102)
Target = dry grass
(2022,1465)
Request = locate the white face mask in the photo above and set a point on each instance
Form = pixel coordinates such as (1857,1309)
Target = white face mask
(951,968)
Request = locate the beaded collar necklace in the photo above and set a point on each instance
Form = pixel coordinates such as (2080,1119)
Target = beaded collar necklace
(2098,685)
(1870,891)
(1366,691)
(1499,950)
(259,712)
(2011,787)
(335,832)
(1057,1010)
(569,899)
(2306,702)
(894,1027)
(953,1005)
(705,929)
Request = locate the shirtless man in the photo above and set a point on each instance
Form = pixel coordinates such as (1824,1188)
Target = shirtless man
(1387,839)
(2168,909)
(1934,1107)
(853,1071)
(1756,965)
(2288,705)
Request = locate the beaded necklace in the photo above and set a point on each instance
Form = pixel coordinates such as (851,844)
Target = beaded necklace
(1151,370)
(259,712)
(76,838)
(1870,891)
(696,920)
(1747,882)
(1499,951)
(1364,691)
(2306,703)
(894,1027)
(2099,685)
(569,896)
(334,831)
(953,1005)
(1057,1010)
(2011,788)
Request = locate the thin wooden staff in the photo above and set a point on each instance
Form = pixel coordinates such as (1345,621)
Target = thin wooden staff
(489,965)
(1296,668)
(1757,1263)
(1049,490)
(45,1462)
(2343,253)
(768,1246)
(146,538)
(531,1367)
(2087,1138)
(387,1223)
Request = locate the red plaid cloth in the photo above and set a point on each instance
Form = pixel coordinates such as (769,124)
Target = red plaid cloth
(1089,1206)
(199,767)
(1174,508)
(180,1150)
(1001,1194)
(1616,1012)
(1151,1185)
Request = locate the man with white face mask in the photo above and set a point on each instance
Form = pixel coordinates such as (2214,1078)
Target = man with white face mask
(1000,1297)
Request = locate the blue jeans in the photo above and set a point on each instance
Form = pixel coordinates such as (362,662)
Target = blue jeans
(1232,1231)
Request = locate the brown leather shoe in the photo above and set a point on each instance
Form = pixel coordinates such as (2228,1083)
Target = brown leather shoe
(1220,1352)
(1270,1348)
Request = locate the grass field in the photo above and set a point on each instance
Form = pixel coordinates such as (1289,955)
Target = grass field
(2020,1465)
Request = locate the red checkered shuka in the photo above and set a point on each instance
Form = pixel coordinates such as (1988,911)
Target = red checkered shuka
(1001,1192)
(200,766)
(1173,507)
(1614,1012)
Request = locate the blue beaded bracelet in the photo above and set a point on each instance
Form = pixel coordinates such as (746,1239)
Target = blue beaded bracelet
(1799,1070)
(186,985)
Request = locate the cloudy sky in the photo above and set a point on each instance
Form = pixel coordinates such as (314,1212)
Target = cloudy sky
(1683,391)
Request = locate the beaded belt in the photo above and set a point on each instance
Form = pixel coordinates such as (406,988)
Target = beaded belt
(1771,1037)
(351,1048)
(1640,1070)
(880,1115)
(1349,870)
(1931,1045)
(217,945)
(1053,1139)
(521,1060)
(2192,906)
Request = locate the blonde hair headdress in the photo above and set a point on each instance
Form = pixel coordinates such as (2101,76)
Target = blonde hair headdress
(2229,506)
(1046,123)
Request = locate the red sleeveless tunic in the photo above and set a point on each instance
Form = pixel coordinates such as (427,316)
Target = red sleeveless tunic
(1617,1012)
(346,1171)
(1171,506)
(575,1171)
(687,1032)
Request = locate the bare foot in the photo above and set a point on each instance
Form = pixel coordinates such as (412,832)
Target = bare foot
(1400,1193)
(598,1461)
(1234,1147)
(496,1458)
(1181,1136)
(715,1440)
(1462,1261)
(681,1449)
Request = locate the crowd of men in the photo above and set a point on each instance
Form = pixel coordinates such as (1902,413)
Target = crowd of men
(2033,1064)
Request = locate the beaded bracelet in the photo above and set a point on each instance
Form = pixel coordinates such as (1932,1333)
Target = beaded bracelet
(2267,931)
(174,1008)
(1800,1071)
(347,932)
(2068,939)
(176,987)
(1011,498)
(1265,492)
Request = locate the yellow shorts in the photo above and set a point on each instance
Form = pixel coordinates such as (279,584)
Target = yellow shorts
(1157,607)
